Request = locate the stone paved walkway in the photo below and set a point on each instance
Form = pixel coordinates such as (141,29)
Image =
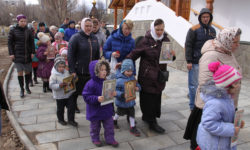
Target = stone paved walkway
(36,113)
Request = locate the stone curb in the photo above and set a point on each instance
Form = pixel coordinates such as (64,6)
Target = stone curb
(25,140)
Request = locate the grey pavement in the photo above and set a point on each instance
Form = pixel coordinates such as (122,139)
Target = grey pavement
(36,114)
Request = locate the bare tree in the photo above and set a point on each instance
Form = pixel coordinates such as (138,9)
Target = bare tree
(57,10)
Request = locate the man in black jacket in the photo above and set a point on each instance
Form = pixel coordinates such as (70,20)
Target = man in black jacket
(21,51)
(83,48)
(196,37)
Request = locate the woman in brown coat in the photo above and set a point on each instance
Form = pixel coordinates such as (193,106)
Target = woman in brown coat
(150,96)
(220,49)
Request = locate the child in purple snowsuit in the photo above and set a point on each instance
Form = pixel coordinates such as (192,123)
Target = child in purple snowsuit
(95,113)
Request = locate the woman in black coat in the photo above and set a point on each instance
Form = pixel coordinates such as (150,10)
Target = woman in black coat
(83,48)
(21,51)
(149,50)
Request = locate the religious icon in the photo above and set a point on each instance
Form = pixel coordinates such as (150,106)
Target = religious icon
(108,90)
(70,84)
(51,52)
(237,123)
(129,87)
(166,55)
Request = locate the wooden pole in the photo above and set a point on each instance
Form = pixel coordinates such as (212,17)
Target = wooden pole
(177,8)
(115,16)
(210,5)
(124,9)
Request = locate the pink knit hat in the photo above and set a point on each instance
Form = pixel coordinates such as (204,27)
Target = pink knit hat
(224,75)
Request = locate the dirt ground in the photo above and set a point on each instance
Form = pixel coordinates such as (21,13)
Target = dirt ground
(9,139)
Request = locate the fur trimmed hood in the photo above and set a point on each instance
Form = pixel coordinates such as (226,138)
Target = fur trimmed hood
(210,91)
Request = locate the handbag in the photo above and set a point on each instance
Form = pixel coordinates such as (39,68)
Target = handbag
(163,76)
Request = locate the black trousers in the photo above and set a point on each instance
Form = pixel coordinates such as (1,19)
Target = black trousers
(82,80)
(150,106)
(192,127)
(69,103)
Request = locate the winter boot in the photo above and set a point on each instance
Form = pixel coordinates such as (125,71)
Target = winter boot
(44,87)
(27,81)
(47,85)
(20,80)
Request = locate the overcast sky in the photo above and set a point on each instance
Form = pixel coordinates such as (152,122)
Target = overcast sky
(88,2)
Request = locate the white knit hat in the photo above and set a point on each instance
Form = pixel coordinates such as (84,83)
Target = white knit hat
(43,37)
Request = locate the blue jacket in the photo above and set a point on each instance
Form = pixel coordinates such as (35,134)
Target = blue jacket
(69,32)
(93,89)
(118,42)
(120,100)
(216,127)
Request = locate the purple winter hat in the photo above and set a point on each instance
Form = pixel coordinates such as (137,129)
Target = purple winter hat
(20,16)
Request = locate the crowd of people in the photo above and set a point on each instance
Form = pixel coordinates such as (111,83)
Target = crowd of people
(86,49)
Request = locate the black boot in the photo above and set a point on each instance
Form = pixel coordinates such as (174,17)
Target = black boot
(155,127)
(44,87)
(47,85)
(27,81)
(20,80)
(35,77)
(31,81)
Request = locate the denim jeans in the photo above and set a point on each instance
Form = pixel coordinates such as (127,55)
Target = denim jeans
(193,83)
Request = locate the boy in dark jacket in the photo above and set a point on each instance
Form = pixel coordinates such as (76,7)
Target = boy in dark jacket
(95,112)
(123,107)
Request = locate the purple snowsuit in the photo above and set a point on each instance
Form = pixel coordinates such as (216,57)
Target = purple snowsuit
(96,113)
(44,66)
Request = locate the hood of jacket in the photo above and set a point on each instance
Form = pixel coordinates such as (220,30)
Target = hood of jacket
(94,69)
(117,34)
(203,11)
(210,91)
(54,71)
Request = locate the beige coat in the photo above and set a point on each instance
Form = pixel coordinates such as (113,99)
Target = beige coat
(212,54)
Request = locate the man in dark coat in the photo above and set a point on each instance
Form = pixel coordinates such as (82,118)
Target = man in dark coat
(196,37)
(21,51)
(83,48)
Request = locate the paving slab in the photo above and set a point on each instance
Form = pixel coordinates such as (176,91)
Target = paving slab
(152,143)
(76,144)
(26,121)
(29,113)
(48,146)
(58,135)
(41,127)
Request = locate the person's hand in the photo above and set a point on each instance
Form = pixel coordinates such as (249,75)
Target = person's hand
(12,57)
(173,52)
(242,124)
(118,65)
(45,53)
(100,99)
(63,84)
(137,89)
(114,93)
(116,54)
(32,56)
(74,74)
(237,130)
(189,66)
